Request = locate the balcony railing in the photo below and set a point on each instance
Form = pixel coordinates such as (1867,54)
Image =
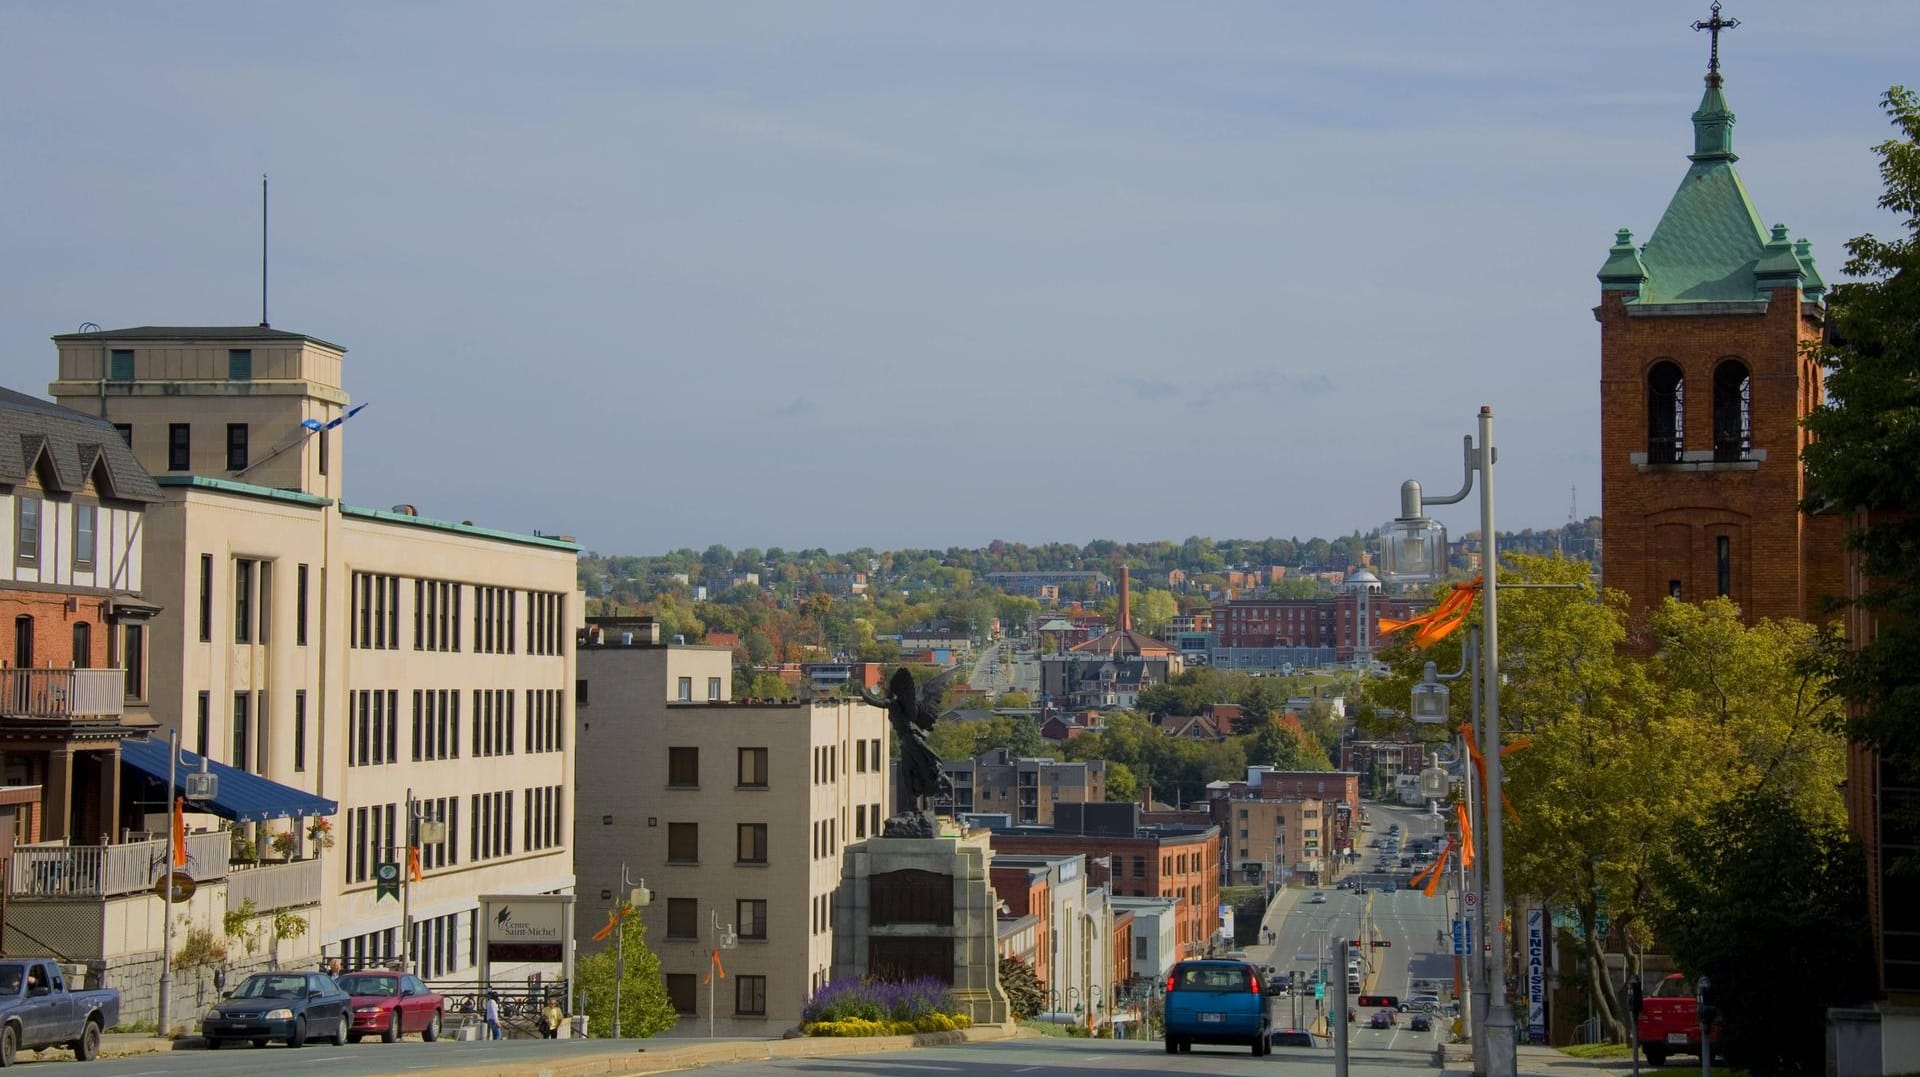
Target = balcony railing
(63,694)
(98,871)
(275,886)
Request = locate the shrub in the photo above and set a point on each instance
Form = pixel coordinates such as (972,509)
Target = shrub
(877,1001)
(859,1026)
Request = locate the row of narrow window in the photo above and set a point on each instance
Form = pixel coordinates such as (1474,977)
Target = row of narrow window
(1667,412)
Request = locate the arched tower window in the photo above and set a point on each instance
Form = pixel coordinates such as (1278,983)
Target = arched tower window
(1732,411)
(1666,413)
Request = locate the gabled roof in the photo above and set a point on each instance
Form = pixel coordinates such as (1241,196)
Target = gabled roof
(195,332)
(70,446)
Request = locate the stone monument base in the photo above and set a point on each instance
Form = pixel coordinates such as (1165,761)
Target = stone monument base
(922,906)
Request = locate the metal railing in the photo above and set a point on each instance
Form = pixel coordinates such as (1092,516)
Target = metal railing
(275,886)
(66,694)
(98,871)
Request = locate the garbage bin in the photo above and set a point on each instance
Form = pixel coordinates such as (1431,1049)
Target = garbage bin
(578,1026)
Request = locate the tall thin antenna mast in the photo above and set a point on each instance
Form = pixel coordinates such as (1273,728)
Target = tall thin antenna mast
(263,251)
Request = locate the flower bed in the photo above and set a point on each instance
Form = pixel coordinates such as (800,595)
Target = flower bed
(880,1008)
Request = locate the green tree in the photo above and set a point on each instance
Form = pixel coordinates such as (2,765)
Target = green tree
(1153,610)
(1282,743)
(1122,786)
(1299,587)
(1861,457)
(1758,895)
(644,1007)
(769,686)
(1014,699)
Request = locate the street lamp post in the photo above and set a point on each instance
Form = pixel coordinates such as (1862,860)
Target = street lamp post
(1414,549)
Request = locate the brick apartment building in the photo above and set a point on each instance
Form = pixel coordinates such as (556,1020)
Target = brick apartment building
(1332,621)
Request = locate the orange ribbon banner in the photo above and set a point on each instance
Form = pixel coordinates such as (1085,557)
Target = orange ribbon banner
(1480,764)
(179,832)
(413,863)
(1466,835)
(718,969)
(613,921)
(1439,622)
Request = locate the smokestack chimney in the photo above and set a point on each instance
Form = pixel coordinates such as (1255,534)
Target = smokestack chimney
(1126,600)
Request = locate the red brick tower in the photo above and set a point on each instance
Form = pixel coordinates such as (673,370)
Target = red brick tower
(1704,379)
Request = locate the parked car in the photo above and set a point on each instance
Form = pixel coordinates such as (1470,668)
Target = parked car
(1294,1037)
(39,1011)
(1420,1003)
(285,1006)
(1216,1001)
(391,1005)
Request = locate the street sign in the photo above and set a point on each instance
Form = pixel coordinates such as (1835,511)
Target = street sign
(1319,991)
(1471,900)
(1462,937)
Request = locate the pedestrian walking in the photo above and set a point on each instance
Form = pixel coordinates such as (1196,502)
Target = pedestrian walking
(551,1017)
(493,1016)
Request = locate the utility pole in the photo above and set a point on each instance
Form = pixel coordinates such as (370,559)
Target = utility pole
(1337,1016)
(721,941)
(166,902)
(406,886)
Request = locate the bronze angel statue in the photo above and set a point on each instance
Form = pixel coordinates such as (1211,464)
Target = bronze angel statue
(912,710)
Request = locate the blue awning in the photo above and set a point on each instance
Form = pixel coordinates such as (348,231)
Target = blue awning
(248,798)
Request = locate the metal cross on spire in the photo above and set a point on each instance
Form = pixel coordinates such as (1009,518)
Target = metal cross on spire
(1713,26)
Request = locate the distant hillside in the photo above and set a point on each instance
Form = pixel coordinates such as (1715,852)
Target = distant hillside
(631,580)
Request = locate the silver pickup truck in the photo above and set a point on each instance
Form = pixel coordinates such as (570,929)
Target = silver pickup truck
(37,1010)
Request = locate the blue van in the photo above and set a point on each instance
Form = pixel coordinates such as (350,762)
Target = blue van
(1216,1001)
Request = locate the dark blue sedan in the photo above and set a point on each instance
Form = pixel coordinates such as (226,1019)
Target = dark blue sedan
(288,1006)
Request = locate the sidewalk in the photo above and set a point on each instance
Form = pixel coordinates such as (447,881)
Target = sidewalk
(1540,1062)
(618,1057)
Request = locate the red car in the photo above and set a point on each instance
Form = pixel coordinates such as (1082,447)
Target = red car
(391,1005)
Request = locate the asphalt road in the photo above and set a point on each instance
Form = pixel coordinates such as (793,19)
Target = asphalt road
(1035,1056)
(1408,923)
(1045,1057)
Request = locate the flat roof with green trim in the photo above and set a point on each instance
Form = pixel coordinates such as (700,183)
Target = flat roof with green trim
(387,516)
(244,489)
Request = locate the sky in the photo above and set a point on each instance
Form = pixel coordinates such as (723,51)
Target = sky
(876,274)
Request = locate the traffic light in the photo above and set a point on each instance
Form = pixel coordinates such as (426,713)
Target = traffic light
(1381,1002)
(1380,943)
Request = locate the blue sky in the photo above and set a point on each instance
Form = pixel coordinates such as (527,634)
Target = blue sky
(891,274)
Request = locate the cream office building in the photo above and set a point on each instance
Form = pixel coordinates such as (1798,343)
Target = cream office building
(734,813)
(363,654)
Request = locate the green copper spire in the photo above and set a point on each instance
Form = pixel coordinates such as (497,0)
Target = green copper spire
(1815,288)
(1713,126)
(1624,272)
(1778,266)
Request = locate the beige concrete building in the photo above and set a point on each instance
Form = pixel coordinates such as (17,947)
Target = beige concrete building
(1274,839)
(734,814)
(362,654)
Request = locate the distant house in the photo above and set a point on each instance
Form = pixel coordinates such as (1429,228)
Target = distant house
(1191,727)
